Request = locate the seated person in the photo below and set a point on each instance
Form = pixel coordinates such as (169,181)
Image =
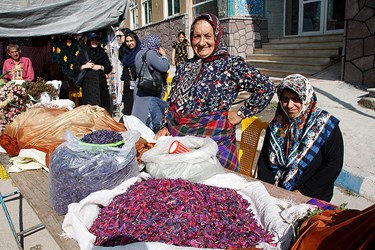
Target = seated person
(303,148)
(20,68)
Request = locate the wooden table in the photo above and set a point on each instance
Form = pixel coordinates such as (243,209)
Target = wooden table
(33,185)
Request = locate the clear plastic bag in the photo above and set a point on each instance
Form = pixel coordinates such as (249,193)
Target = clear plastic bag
(197,165)
(77,170)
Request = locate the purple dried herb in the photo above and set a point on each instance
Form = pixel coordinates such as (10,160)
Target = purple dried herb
(181,213)
(102,137)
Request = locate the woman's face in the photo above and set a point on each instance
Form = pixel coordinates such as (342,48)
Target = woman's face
(94,42)
(291,103)
(130,42)
(120,37)
(203,41)
(181,37)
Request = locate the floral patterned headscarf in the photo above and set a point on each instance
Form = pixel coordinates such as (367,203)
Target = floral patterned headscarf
(151,42)
(293,140)
(193,66)
(220,48)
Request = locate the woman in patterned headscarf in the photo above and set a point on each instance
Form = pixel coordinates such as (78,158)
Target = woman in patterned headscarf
(303,149)
(205,87)
(157,60)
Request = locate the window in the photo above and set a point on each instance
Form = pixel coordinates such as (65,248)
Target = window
(147,11)
(134,14)
(204,6)
(173,7)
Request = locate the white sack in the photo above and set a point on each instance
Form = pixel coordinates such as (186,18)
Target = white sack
(267,209)
(198,165)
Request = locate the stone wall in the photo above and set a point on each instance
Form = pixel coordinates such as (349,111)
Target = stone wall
(242,35)
(167,30)
(359,49)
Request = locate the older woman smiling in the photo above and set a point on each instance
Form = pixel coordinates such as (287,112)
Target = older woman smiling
(205,87)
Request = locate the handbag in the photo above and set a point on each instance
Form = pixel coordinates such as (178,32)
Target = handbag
(150,81)
(78,79)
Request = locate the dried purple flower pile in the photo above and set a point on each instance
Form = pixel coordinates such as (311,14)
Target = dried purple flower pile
(102,137)
(180,213)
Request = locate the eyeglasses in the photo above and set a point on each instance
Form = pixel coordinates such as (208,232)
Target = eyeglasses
(120,35)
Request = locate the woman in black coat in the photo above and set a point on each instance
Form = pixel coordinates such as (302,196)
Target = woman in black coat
(95,89)
(303,149)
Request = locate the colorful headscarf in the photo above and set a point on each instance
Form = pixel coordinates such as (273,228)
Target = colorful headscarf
(128,59)
(295,142)
(193,66)
(151,42)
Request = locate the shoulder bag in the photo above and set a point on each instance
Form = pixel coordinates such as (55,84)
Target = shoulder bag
(78,79)
(150,81)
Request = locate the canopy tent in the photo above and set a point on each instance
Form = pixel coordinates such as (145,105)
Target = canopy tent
(32,18)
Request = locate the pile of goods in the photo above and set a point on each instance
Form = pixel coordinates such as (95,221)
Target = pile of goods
(13,100)
(180,213)
(103,137)
(100,160)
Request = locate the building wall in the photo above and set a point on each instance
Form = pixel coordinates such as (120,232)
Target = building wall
(243,31)
(359,39)
(167,30)
(275,17)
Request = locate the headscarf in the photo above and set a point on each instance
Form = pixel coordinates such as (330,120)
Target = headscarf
(181,96)
(128,59)
(295,141)
(151,42)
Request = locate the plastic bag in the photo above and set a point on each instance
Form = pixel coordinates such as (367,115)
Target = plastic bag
(77,170)
(197,165)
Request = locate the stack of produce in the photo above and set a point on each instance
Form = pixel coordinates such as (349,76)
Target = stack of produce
(100,160)
(180,213)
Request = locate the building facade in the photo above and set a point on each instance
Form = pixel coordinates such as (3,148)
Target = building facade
(248,24)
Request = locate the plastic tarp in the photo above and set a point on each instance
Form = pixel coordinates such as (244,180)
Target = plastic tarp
(41,18)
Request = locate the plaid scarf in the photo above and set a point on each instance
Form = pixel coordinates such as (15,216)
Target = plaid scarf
(214,125)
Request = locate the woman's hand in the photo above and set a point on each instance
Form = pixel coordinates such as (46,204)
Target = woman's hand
(97,67)
(162,132)
(233,118)
(88,65)
(162,51)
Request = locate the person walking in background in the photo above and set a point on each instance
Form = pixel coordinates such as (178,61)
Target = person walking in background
(303,149)
(180,49)
(127,52)
(205,87)
(94,88)
(156,59)
(19,67)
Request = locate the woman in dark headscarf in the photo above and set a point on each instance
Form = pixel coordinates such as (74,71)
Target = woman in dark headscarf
(303,149)
(205,87)
(94,88)
(157,60)
(127,52)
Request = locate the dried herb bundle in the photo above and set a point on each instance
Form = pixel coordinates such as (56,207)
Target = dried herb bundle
(35,89)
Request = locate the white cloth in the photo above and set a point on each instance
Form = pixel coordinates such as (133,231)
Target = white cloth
(267,210)
(28,159)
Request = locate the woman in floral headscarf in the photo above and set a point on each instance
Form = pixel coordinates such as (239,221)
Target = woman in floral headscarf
(303,149)
(157,60)
(205,87)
